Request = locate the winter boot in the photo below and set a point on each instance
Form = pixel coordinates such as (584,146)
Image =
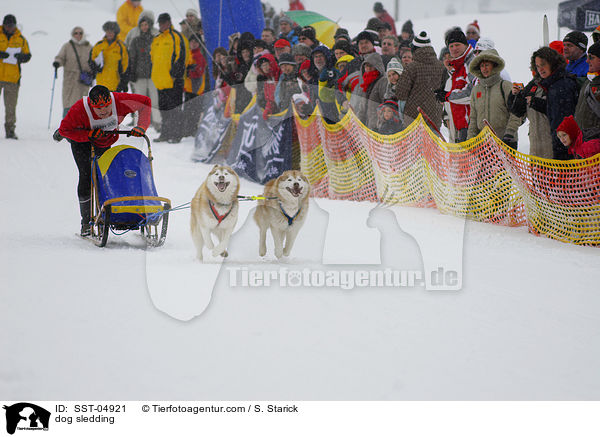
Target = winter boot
(85,210)
(86,230)
(10,133)
(57,136)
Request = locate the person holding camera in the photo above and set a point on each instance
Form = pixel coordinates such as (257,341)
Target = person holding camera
(14,51)
(77,74)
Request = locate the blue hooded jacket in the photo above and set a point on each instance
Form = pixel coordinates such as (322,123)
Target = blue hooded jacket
(579,67)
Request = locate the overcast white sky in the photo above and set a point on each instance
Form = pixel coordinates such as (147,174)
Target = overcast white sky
(354,10)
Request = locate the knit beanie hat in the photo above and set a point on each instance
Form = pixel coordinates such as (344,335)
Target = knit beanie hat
(192,12)
(390,104)
(395,65)
(286,58)
(343,45)
(280,43)
(375,24)
(301,49)
(365,35)
(456,35)
(595,49)
(286,19)
(570,127)
(474,26)
(308,32)
(304,66)
(422,40)
(557,46)
(577,38)
(341,32)
(408,28)
(9,19)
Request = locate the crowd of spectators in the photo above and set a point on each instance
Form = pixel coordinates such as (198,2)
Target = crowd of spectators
(387,79)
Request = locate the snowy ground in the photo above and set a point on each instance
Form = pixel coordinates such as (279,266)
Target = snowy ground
(80,322)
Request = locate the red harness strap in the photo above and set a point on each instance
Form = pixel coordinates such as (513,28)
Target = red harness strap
(219,218)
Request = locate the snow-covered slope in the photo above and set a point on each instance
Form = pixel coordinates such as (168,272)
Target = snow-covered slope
(79,322)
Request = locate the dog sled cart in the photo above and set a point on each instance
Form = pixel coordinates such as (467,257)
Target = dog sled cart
(124,196)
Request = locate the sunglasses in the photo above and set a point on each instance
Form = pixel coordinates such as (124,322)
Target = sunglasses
(77,33)
(302,38)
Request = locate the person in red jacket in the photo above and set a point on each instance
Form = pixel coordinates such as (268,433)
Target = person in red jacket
(91,122)
(194,86)
(384,16)
(570,135)
(296,5)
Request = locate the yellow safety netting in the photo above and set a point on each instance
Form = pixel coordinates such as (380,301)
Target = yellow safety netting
(481,179)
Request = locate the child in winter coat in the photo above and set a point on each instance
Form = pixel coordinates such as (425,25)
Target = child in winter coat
(570,135)
(267,83)
(388,118)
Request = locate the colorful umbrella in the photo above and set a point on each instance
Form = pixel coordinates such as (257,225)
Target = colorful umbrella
(324,26)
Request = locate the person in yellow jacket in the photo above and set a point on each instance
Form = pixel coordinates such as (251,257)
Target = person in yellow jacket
(14,51)
(128,15)
(169,52)
(109,59)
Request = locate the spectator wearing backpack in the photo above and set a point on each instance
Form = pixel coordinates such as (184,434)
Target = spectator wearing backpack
(489,99)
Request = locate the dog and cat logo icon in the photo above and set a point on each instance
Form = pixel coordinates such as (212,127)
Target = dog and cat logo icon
(26,417)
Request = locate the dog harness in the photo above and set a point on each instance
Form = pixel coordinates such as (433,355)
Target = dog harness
(218,217)
(289,218)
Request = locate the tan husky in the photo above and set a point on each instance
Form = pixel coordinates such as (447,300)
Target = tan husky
(215,210)
(283,211)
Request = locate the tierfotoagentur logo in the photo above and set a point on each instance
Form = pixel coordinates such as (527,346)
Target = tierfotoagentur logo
(344,279)
(26,417)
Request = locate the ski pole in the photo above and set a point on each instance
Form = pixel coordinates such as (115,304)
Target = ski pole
(52,97)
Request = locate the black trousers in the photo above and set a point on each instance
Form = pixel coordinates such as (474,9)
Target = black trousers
(82,153)
(170,104)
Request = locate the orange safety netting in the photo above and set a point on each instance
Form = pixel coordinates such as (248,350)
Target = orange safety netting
(481,179)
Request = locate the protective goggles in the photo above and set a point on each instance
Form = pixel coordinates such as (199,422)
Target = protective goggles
(101,102)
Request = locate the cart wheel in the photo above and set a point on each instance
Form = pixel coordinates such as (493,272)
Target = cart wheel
(150,232)
(102,229)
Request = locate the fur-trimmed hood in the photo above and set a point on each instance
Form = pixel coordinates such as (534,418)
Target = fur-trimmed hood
(487,55)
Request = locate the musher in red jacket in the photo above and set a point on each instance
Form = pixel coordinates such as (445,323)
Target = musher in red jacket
(90,123)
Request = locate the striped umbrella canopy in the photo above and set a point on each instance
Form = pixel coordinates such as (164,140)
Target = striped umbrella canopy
(325,27)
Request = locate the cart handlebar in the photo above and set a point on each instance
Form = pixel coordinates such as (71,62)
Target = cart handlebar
(128,133)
